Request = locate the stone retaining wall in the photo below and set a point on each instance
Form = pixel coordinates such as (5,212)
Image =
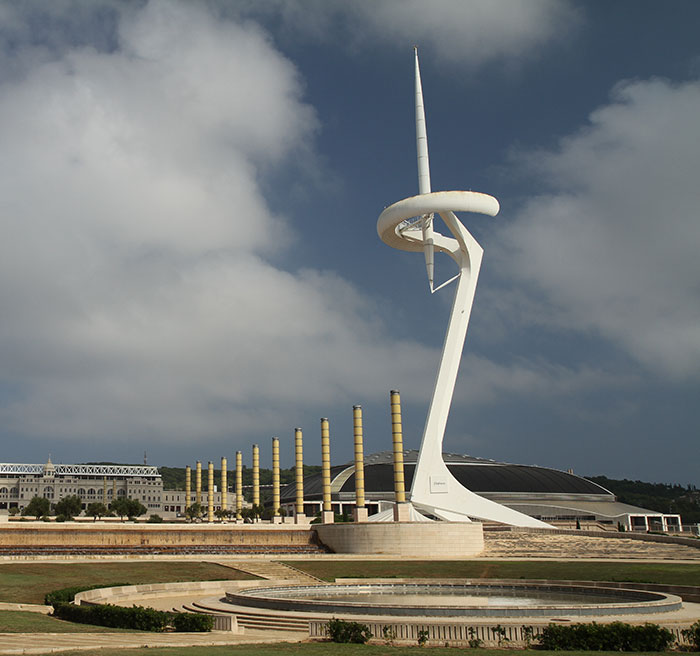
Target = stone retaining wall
(143,535)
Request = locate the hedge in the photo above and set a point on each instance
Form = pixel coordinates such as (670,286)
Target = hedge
(616,636)
(117,617)
(136,618)
(192,622)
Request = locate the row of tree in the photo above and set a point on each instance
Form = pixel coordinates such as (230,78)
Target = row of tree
(72,506)
(198,511)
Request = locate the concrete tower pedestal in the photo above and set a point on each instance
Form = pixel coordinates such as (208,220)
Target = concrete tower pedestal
(424,539)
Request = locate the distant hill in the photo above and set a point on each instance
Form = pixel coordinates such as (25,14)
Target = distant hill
(661,497)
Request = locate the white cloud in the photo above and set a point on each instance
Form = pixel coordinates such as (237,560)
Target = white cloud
(614,245)
(137,300)
(471,31)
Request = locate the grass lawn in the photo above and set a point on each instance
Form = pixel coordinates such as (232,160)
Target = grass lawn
(325,649)
(668,573)
(27,583)
(17,621)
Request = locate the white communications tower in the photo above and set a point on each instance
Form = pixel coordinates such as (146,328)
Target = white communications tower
(409,225)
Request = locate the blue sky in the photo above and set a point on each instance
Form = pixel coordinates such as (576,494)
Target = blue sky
(190,264)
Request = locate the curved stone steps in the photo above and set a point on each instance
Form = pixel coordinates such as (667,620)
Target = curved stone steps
(250,619)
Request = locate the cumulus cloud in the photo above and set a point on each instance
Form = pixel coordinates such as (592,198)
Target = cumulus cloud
(471,31)
(138,295)
(614,241)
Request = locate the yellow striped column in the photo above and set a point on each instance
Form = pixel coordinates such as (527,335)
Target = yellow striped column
(224,483)
(256,476)
(188,487)
(276,481)
(210,492)
(299,515)
(327,509)
(239,485)
(104,490)
(360,512)
(198,483)
(401,507)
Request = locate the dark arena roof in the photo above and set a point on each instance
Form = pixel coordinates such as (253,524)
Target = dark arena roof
(477,474)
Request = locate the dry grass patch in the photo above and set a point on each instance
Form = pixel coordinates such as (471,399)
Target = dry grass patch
(28,583)
(13,621)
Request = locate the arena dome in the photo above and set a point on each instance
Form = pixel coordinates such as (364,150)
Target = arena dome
(548,494)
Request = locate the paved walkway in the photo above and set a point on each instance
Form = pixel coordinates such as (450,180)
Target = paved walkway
(46,643)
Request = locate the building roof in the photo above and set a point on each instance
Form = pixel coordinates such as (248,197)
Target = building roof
(14,469)
(477,474)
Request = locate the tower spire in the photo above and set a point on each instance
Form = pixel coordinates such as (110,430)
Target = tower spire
(421,135)
(424,176)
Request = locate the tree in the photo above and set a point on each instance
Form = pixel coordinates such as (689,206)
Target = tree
(37,507)
(127,508)
(222,514)
(96,509)
(194,511)
(69,506)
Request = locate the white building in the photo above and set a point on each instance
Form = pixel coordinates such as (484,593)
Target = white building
(19,483)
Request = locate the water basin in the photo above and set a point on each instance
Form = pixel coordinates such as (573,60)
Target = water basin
(512,599)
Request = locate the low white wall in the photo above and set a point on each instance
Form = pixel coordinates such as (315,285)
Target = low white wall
(434,539)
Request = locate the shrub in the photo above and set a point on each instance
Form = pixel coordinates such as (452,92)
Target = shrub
(154,519)
(616,636)
(692,635)
(192,622)
(422,638)
(389,635)
(499,632)
(474,641)
(342,631)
